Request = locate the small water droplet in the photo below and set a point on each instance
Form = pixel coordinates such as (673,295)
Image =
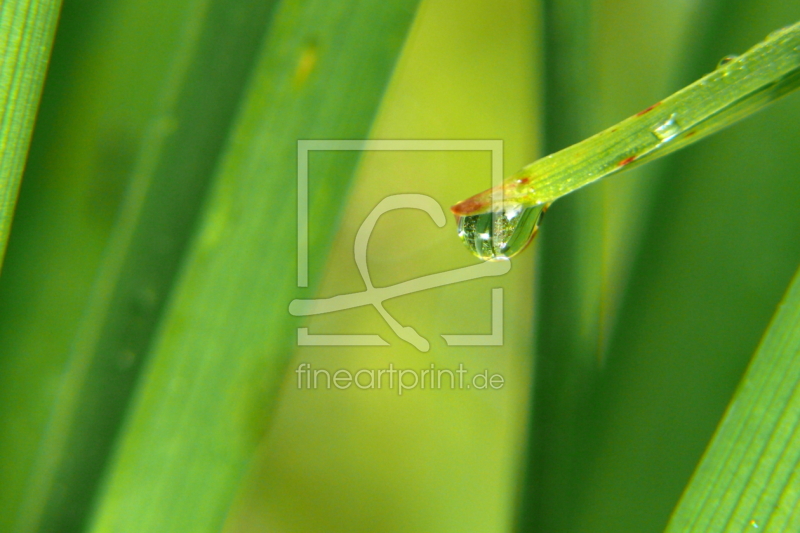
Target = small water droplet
(502,236)
(725,60)
(667,129)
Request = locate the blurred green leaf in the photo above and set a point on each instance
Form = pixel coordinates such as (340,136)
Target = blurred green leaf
(26,31)
(590,238)
(105,94)
(748,479)
(222,348)
(572,250)
(212,61)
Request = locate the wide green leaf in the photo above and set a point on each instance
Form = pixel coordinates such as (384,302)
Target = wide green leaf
(206,393)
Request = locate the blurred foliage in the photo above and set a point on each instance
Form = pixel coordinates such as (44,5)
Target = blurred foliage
(26,31)
(623,421)
(147,357)
(198,99)
(101,94)
(701,294)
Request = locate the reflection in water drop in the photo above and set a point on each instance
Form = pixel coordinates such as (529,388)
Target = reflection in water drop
(725,60)
(667,129)
(502,236)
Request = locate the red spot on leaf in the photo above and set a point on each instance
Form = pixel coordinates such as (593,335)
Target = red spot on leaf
(523,181)
(640,113)
(691,133)
(626,161)
(468,206)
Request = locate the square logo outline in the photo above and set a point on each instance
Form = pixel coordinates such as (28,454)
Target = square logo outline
(304,147)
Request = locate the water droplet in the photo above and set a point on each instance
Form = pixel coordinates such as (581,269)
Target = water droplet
(725,60)
(667,129)
(502,236)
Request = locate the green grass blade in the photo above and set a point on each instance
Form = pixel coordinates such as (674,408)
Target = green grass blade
(746,84)
(211,65)
(207,391)
(748,478)
(26,35)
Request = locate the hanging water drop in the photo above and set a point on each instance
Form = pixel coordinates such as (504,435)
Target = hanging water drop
(667,129)
(725,60)
(500,235)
